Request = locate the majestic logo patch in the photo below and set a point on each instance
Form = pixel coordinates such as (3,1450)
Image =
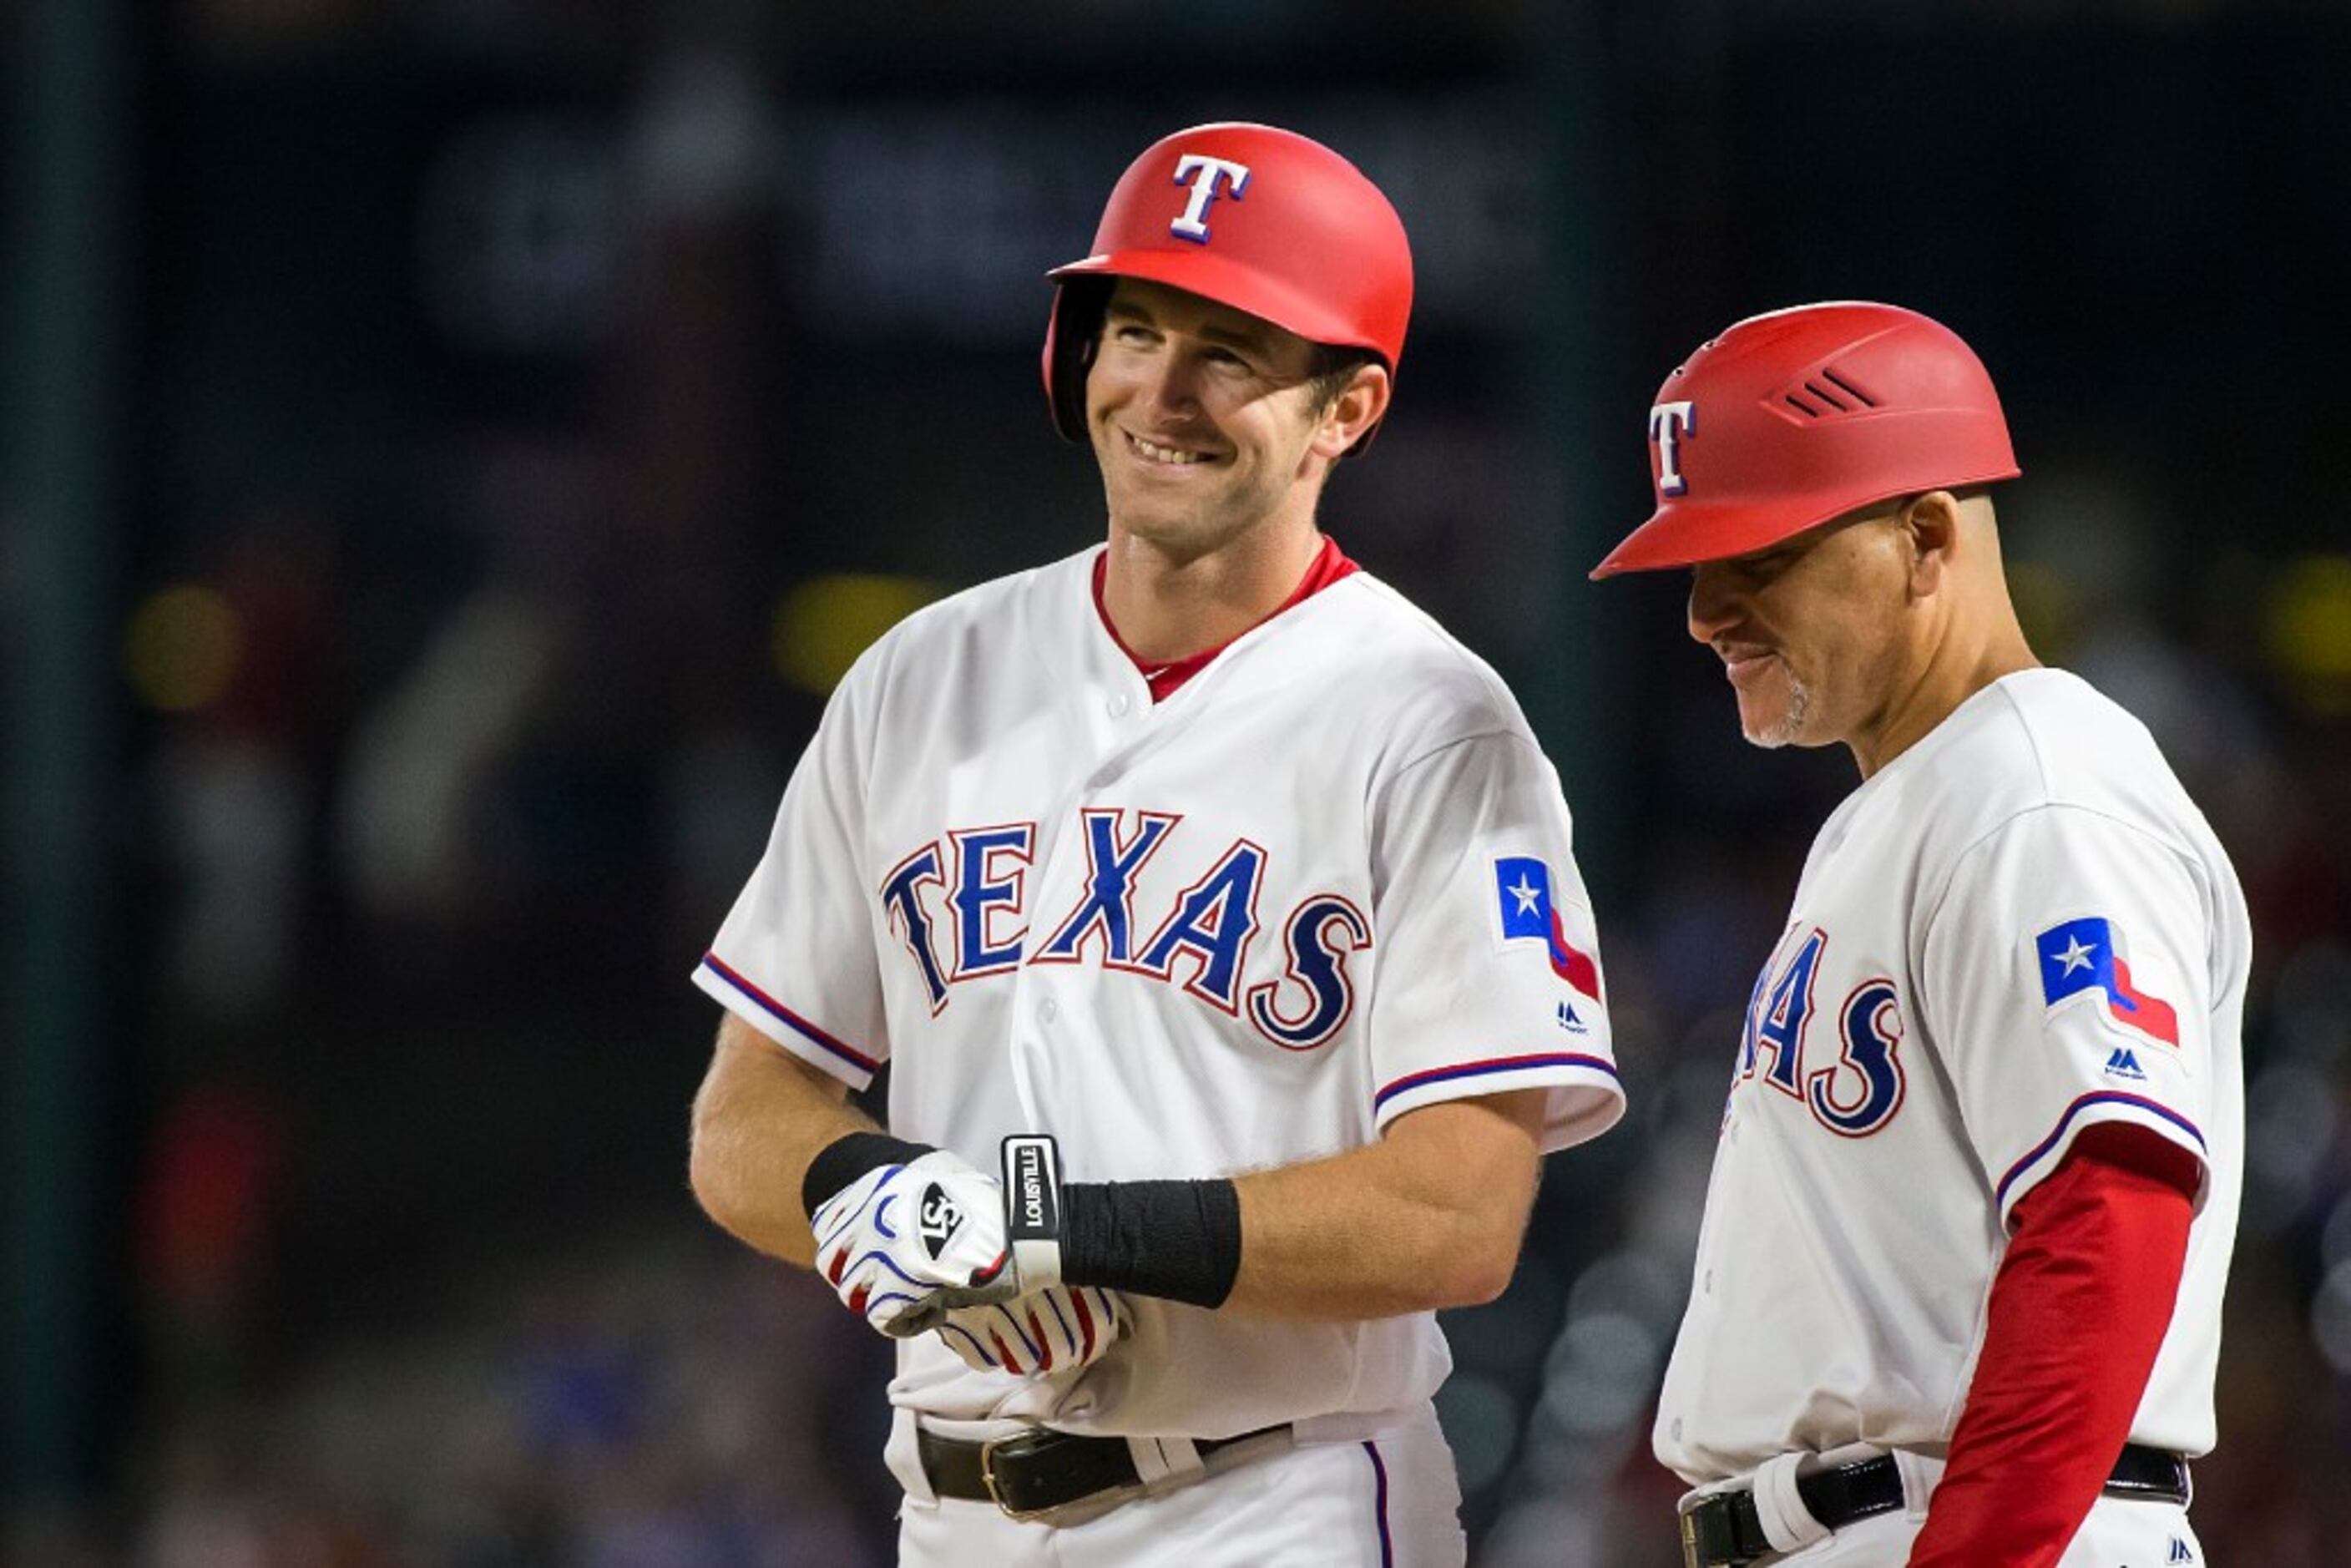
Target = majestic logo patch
(938,1220)
(2086,956)
(2121,1063)
(1522,883)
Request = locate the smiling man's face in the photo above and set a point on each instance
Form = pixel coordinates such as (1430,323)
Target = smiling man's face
(1810,632)
(1203,418)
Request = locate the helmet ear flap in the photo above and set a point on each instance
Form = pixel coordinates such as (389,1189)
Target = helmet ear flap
(1071,340)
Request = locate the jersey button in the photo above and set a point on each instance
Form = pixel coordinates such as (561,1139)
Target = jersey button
(1677,1429)
(1710,1282)
(1048,1011)
(1119,705)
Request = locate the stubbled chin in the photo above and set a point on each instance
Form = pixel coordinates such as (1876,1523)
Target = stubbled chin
(1154,515)
(1775,716)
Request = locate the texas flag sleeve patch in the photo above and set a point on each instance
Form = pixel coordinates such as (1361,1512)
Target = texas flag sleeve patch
(2082,956)
(1522,885)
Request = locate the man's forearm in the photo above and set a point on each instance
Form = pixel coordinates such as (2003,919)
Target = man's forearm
(760,1116)
(1431,1215)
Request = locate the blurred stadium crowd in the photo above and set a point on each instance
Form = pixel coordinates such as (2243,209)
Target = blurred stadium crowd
(535,409)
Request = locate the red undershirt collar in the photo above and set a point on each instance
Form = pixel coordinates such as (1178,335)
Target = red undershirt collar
(1331,564)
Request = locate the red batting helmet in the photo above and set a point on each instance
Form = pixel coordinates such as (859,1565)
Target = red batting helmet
(1262,219)
(1791,418)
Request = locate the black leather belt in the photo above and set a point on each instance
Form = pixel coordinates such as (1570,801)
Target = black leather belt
(1724,1531)
(1038,1470)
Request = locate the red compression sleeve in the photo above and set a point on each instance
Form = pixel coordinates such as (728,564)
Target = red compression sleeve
(2078,1310)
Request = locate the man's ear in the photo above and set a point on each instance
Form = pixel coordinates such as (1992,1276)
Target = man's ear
(1354,410)
(1932,522)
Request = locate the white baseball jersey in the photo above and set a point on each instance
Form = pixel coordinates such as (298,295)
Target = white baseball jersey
(2020,927)
(1325,882)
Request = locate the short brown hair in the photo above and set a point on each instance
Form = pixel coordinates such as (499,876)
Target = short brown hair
(1332,370)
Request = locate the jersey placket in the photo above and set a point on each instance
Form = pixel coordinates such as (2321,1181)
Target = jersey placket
(1049,1013)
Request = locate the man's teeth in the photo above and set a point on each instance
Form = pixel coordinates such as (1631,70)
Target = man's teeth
(1159,454)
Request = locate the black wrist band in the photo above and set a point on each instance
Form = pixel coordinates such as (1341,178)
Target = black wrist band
(849,1156)
(1179,1240)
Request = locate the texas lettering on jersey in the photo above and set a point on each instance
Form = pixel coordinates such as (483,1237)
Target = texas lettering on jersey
(980,878)
(1854,1086)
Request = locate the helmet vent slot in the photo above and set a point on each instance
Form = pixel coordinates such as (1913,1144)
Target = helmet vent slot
(1825,394)
(1849,390)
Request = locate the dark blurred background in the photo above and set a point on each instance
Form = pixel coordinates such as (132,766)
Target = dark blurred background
(450,448)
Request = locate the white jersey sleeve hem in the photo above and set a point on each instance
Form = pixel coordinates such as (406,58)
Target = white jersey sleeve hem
(1586,1096)
(788,1029)
(2106,1106)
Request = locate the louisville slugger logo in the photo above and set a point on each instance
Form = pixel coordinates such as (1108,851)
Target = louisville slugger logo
(938,1220)
(1030,1177)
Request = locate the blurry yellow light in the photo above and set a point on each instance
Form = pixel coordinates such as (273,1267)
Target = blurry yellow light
(2310,630)
(180,649)
(825,622)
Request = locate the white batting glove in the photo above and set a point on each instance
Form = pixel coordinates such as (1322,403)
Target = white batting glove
(888,1242)
(1031,1234)
(1056,1329)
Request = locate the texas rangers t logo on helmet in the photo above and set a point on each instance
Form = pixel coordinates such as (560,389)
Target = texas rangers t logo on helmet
(1669,423)
(1204,174)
